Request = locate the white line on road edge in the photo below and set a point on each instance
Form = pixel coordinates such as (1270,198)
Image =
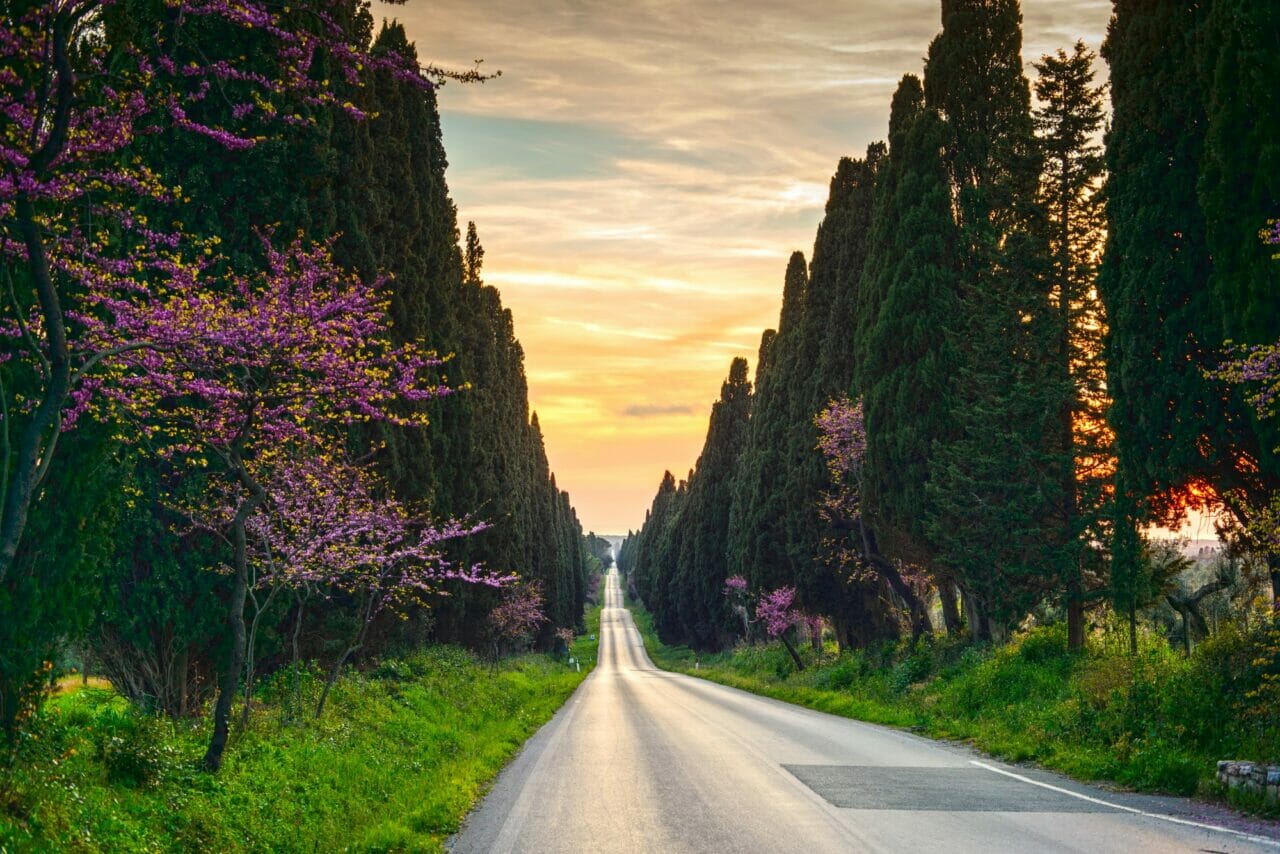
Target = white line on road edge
(1160,816)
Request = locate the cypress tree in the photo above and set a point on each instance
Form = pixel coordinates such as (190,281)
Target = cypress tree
(481,456)
(822,369)
(645,571)
(758,540)
(1238,60)
(910,287)
(701,568)
(991,487)
(1069,118)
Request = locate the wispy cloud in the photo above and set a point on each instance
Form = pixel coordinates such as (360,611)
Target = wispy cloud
(639,175)
(650,410)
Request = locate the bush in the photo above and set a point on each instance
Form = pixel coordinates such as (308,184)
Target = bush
(912,669)
(841,675)
(135,748)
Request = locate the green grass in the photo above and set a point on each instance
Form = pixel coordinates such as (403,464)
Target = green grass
(1157,721)
(401,755)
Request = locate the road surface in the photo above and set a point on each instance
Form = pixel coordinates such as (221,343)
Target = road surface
(643,760)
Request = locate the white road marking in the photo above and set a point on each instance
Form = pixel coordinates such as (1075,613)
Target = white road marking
(1159,816)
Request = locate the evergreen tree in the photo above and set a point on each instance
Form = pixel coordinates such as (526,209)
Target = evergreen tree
(643,575)
(822,368)
(757,533)
(1068,121)
(991,487)
(700,570)
(910,287)
(1238,60)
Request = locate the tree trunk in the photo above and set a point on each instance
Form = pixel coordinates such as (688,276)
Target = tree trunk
(916,611)
(352,648)
(1273,564)
(1188,606)
(333,677)
(795,656)
(1075,616)
(950,611)
(250,674)
(176,701)
(30,460)
(1133,628)
(34,451)
(976,615)
(231,678)
(297,630)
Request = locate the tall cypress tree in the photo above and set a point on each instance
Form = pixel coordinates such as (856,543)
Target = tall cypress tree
(481,456)
(701,568)
(643,575)
(1068,120)
(911,288)
(991,487)
(1238,61)
(757,539)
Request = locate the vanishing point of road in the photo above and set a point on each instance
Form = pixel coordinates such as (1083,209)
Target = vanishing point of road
(642,760)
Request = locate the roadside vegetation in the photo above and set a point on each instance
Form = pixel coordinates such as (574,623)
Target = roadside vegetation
(401,754)
(1155,721)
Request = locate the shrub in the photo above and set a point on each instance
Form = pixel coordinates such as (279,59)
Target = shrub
(839,676)
(911,669)
(135,750)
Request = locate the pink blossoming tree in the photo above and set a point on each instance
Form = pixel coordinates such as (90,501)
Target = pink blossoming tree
(515,620)
(70,194)
(842,439)
(775,610)
(258,386)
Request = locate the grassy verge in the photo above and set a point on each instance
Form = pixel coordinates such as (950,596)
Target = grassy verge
(401,755)
(1157,721)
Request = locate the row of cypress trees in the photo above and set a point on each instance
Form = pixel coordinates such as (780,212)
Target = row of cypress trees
(109,571)
(1029,320)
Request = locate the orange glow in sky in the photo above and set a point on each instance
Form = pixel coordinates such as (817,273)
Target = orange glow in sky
(639,175)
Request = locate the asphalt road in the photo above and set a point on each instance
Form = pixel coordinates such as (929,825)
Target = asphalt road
(643,760)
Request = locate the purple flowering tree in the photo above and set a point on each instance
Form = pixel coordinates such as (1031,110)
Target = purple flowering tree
(514,621)
(132,319)
(842,439)
(774,609)
(73,105)
(244,386)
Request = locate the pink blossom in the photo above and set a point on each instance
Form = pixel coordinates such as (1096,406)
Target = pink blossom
(775,611)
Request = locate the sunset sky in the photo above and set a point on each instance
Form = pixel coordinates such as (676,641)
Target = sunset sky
(639,175)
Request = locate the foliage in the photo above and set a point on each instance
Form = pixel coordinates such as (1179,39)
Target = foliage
(515,620)
(160,187)
(910,294)
(774,609)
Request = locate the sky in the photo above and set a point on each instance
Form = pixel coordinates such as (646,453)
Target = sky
(639,175)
